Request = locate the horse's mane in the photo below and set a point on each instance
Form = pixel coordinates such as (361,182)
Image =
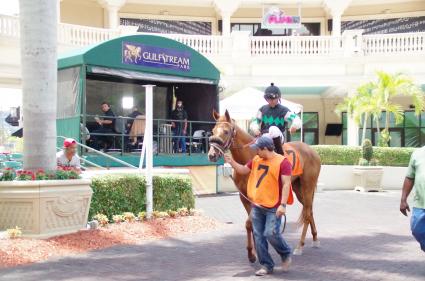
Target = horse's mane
(243,136)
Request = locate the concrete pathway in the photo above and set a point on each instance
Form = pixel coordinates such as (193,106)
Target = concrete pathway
(363,237)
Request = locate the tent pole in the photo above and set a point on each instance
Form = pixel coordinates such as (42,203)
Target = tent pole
(148,147)
(302,125)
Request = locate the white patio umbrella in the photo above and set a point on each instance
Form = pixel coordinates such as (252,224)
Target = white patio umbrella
(243,105)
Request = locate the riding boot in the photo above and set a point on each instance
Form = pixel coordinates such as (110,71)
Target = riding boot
(278,145)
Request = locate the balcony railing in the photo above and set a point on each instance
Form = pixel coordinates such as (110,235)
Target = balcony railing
(217,46)
(204,44)
(300,45)
(9,26)
(394,43)
(82,35)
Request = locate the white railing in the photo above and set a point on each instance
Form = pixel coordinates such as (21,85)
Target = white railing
(9,26)
(394,43)
(294,45)
(68,34)
(204,44)
(83,35)
(401,43)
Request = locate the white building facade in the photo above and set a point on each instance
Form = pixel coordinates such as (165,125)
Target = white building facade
(337,46)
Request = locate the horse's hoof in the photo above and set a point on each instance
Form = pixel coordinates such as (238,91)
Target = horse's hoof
(316,244)
(298,251)
(252,259)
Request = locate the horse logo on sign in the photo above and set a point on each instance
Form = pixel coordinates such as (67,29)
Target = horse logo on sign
(132,53)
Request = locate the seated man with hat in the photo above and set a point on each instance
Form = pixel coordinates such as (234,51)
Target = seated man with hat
(68,156)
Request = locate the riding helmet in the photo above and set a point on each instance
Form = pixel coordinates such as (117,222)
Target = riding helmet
(272,92)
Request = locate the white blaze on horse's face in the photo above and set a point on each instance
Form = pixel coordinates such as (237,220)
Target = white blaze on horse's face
(221,134)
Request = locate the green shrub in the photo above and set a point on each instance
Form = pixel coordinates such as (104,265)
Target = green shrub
(349,155)
(126,193)
(367,150)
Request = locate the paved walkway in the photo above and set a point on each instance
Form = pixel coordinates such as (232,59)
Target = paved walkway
(362,234)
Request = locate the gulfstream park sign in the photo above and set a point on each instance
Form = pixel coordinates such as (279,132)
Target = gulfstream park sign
(141,54)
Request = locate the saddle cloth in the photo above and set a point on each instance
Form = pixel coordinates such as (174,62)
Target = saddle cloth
(294,158)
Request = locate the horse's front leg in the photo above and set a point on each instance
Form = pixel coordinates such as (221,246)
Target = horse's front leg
(250,241)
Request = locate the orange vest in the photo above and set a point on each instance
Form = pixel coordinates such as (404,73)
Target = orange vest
(263,182)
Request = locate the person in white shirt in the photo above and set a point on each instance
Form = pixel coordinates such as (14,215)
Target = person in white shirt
(68,156)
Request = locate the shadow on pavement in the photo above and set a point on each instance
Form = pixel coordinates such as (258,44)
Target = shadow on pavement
(221,256)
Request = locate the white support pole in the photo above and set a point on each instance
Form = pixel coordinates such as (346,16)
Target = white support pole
(302,124)
(148,147)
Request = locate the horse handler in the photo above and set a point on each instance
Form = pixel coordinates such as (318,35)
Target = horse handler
(269,190)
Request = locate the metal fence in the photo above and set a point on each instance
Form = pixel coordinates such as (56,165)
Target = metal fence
(122,140)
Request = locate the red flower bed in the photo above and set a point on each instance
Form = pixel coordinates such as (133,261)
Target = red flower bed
(20,251)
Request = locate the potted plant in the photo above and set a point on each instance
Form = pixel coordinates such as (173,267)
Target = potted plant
(44,203)
(367,175)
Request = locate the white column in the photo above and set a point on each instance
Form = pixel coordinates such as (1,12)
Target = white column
(352,131)
(336,24)
(226,28)
(112,17)
(336,9)
(59,10)
(38,44)
(226,8)
(352,126)
(111,11)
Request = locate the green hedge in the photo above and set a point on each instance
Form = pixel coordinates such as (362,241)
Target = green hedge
(126,193)
(349,155)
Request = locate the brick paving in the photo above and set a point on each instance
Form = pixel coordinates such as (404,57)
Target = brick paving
(363,237)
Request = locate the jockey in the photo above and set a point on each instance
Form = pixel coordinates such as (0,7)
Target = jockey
(272,118)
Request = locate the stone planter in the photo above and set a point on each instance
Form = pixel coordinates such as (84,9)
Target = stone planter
(45,208)
(368,178)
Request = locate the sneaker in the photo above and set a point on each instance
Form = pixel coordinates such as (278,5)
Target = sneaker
(263,271)
(286,264)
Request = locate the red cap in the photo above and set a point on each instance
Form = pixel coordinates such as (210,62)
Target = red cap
(68,142)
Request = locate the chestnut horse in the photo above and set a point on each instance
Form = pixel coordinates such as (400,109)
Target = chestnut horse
(227,135)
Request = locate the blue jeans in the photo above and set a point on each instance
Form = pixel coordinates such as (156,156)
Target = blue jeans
(417,225)
(266,228)
(179,141)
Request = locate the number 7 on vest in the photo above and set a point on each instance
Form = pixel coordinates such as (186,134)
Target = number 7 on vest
(266,170)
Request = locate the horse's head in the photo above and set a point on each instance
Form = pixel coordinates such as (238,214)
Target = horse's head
(222,137)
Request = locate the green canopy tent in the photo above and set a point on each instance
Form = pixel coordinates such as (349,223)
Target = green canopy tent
(117,68)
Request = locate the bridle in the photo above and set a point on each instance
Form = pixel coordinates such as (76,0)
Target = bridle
(218,144)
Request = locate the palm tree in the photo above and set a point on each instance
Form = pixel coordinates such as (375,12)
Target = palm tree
(358,106)
(365,106)
(376,97)
(38,24)
(384,90)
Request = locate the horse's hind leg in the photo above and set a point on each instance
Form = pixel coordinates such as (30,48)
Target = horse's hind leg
(299,249)
(316,242)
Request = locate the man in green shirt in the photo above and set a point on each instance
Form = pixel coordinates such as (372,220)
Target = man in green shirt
(415,178)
